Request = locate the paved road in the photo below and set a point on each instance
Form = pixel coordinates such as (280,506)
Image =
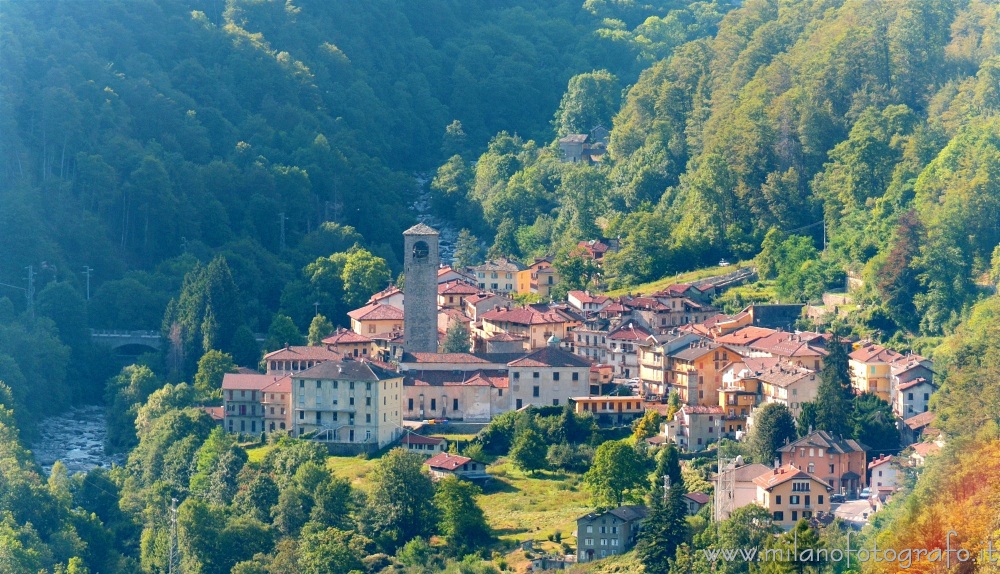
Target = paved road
(853,512)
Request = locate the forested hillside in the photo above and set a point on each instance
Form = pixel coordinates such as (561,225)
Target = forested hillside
(229,167)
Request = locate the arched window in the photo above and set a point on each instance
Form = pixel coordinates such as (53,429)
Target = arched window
(420,250)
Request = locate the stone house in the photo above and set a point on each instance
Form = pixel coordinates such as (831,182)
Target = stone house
(548,377)
(694,427)
(603,534)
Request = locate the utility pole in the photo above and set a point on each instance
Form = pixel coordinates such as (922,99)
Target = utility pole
(824,235)
(172,559)
(30,293)
(316,306)
(282,219)
(86,271)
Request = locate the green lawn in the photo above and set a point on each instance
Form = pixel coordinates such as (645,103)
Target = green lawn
(654,286)
(257,454)
(521,507)
(352,468)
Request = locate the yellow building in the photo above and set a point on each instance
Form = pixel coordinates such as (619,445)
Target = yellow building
(871,370)
(349,343)
(539,278)
(376,319)
(789,493)
(737,400)
(614,410)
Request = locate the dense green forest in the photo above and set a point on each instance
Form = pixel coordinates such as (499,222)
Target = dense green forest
(224,166)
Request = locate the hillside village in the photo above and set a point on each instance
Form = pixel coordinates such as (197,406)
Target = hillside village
(396,375)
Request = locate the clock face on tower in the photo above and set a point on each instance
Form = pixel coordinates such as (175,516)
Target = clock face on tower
(420,251)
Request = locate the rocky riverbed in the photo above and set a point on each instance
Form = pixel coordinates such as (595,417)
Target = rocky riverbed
(76,437)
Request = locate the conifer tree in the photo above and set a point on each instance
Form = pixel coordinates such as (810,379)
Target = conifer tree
(834,395)
(665,528)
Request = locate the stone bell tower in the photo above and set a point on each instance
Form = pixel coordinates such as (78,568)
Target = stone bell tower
(420,266)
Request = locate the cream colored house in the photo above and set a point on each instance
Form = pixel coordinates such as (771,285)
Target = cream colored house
(348,401)
(376,319)
(789,493)
(548,377)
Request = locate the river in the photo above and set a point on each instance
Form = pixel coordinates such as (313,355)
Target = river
(76,437)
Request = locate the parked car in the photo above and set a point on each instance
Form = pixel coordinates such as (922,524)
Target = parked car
(837,498)
(866,492)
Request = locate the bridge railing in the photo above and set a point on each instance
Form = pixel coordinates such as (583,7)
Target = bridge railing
(121,333)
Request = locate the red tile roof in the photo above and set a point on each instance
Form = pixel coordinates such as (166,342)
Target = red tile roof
(879,461)
(699,497)
(282,385)
(217,413)
(447,461)
(925,448)
(455,314)
(624,333)
(506,337)
(920,420)
(384,294)
(303,353)
(745,336)
(457,288)
(777,476)
(913,383)
(875,354)
(585,297)
(377,312)
(345,336)
(241,382)
(523,316)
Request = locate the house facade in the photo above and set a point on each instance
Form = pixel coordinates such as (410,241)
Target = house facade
(694,427)
(294,359)
(841,463)
(603,534)
(276,401)
(348,402)
(497,276)
(424,445)
(548,377)
(789,493)
(884,472)
(615,411)
(446,464)
(241,400)
(376,319)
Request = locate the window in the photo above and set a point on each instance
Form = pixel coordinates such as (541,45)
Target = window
(535,391)
(368,418)
(779,516)
(555,376)
(409,405)
(820,499)
(534,375)
(434,404)
(589,541)
(555,402)
(302,415)
(604,542)
(302,385)
(831,469)
(909,396)
(517,376)
(927,396)
(793,499)
(777,499)
(371,329)
(590,529)
(368,401)
(454,404)
(351,401)
(795,515)
(520,404)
